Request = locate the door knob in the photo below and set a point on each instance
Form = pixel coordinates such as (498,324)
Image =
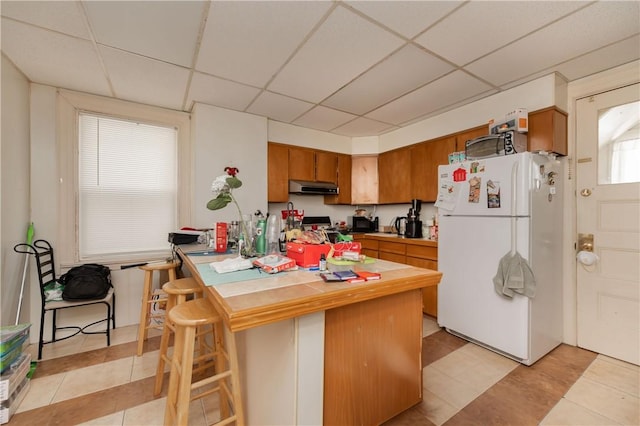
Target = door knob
(585,192)
(585,242)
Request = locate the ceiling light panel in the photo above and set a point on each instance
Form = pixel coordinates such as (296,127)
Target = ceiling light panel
(249,42)
(165,30)
(345,46)
(405,70)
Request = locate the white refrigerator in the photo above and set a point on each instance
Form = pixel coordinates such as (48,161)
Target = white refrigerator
(490,211)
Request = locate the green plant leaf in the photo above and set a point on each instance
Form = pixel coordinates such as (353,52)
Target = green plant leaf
(219,202)
(234,182)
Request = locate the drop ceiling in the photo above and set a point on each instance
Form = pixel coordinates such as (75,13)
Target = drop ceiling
(353,68)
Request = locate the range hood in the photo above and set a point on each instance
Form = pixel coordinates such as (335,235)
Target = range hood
(312,188)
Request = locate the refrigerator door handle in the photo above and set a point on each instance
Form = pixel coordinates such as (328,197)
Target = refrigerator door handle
(514,199)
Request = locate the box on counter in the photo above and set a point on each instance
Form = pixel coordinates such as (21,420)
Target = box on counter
(346,246)
(307,255)
(274,263)
(221,237)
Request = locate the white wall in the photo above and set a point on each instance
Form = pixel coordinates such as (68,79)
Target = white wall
(14,194)
(228,138)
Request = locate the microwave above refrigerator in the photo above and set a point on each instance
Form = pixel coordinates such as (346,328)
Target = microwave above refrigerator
(506,143)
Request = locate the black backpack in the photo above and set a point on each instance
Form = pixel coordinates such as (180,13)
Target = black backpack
(86,282)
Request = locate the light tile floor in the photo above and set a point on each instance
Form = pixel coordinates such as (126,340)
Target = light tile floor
(607,393)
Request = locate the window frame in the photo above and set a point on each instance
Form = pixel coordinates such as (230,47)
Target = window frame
(69,106)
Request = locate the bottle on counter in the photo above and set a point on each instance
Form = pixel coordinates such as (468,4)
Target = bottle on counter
(261,236)
(323,262)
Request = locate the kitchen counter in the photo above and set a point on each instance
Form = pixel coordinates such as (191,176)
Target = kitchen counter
(313,352)
(384,236)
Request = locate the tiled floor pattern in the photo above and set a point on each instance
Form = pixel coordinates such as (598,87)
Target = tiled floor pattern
(82,382)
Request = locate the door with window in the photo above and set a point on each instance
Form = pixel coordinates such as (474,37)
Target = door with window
(608,220)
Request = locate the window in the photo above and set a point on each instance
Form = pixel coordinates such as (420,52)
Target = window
(127,186)
(125,179)
(619,144)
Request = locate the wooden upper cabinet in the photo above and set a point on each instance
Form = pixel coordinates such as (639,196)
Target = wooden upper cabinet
(425,159)
(278,173)
(312,166)
(548,131)
(344,182)
(394,176)
(364,179)
(326,167)
(463,137)
(302,164)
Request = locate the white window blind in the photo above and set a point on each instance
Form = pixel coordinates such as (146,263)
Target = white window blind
(127,187)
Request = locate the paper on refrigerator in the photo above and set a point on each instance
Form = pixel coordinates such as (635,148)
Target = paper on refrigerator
(447,194)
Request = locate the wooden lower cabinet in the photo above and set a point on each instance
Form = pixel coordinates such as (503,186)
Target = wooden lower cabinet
(373,368)
(402,251)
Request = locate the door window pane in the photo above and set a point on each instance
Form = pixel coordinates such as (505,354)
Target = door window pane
(619,144)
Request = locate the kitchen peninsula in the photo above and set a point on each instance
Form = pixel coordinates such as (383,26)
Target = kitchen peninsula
(324,353)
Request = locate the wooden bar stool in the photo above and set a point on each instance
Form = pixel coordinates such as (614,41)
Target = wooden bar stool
(187,317)
(149,297)
(177,292)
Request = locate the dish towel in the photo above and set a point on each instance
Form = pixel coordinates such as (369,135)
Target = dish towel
(514,276)
(231,265)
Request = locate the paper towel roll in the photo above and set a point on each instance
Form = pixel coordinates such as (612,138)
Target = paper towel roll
(587,258)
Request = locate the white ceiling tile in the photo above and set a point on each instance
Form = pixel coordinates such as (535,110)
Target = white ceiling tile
(344,47)
(248,42)
(448,90)
(54,59)
(406,17)
(363,127)
(65,17)
(483,26)
(613,55)
(322,118)
(153,82)
(616,54)
(278,107)
(165,30)
(216,91)
(593,27)
(405,70)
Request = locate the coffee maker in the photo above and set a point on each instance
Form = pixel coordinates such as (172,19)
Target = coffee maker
(413,228)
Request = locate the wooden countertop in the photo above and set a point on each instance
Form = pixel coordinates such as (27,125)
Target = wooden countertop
(287,295)
(383,236)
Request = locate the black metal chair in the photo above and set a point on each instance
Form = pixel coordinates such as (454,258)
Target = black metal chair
(43,253)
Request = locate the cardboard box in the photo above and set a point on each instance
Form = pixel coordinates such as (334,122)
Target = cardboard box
(221,237)
(352,246)
(307,255)
(274,263)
